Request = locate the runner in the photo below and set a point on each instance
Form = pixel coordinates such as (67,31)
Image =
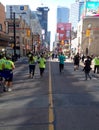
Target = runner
(61,59)
(32,64)
(2,84)
(8,73)
(87,68)
(76,61)
(42,64)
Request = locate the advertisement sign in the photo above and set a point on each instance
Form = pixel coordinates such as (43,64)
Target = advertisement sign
(63,30)
(24,8)
(91,8)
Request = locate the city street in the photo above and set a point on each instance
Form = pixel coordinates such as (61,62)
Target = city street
(54,102)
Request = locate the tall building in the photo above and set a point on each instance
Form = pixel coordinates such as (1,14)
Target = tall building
(62,15)
(19,9)
(42,13)
(4,38)
(75,13)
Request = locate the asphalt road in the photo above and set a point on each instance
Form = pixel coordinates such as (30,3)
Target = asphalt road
(54,102)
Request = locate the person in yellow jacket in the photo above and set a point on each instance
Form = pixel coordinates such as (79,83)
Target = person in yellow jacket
(2,60)
(96,64)
(32,65)
(42,64)
(8,73)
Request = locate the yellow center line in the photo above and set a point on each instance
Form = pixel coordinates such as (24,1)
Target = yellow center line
(51,112)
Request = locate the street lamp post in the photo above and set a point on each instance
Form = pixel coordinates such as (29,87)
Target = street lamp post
(32,41)
(14,31)
(85,1)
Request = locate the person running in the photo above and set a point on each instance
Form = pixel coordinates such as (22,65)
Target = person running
(87,67)
(76,61)
(61,59)
(42,64)
(8,73)
(96,64)
(2,60)
(32,64)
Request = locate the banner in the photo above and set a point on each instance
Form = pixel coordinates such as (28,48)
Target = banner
(63,30)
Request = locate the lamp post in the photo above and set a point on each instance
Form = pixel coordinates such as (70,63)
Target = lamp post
(85,10)
(32,41)
(14,30)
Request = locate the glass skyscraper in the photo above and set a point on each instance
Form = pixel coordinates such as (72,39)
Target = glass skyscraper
(62,15)
(75,13)
(42,13)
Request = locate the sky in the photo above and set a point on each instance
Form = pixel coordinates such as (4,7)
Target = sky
(51,4)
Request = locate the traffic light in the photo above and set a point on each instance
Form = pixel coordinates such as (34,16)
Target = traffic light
(62,42)
(88,32)
(28,32)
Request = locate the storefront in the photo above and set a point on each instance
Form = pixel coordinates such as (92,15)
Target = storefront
(4,42)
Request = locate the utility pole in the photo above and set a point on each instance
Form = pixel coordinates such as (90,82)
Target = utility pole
(32,42)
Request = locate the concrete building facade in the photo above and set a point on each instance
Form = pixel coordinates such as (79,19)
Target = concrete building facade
(88,36)
(22,39)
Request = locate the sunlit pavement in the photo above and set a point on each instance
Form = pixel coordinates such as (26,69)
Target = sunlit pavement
(81,64)
(28,106)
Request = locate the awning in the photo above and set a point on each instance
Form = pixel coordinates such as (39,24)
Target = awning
(4,37)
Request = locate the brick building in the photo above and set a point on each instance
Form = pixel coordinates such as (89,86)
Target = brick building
(4,38)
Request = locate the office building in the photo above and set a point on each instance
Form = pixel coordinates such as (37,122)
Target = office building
(62,15)
(42,13)
(20,10)
(75,13)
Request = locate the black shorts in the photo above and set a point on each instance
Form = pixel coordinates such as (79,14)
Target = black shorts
(8,75)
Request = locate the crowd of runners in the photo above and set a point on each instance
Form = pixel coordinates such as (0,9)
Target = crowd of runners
(7,65)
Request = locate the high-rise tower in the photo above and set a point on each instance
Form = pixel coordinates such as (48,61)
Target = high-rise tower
(62,15)
(75,13)
(42,13)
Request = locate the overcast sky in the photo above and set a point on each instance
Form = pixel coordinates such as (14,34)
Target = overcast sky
(52,4)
